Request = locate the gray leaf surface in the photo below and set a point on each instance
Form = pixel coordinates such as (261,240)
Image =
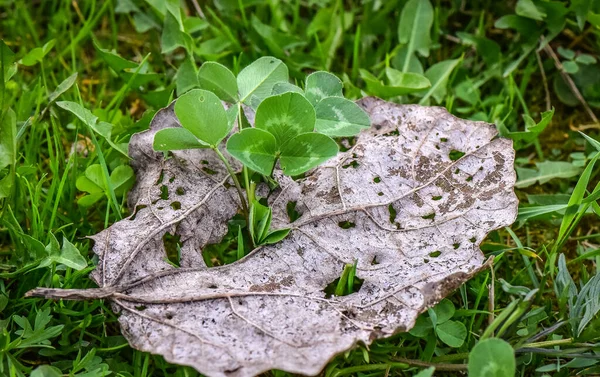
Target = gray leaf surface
(413,216)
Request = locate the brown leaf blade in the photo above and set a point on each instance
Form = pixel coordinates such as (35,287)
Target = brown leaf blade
(410,202)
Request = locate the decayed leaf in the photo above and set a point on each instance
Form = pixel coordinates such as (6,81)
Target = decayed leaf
(410,202)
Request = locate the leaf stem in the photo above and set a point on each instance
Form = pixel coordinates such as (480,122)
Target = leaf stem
(235,181)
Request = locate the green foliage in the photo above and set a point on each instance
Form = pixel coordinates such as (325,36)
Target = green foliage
(125,59)
(492,358)
(92,182)
(438,322)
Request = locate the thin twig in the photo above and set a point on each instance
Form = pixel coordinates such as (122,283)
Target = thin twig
(569,81)
(198,9)
(438,367)
(544,80)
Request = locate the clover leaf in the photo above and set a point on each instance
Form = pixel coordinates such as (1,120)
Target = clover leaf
(218,79)
(256,81)
(320,85)
(204,121)
(339,117)
(255,148)
(285,116)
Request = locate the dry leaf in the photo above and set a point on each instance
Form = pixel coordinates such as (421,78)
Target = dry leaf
(410,202)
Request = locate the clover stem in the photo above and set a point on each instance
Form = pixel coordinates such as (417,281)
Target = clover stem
(245,173)
(238,187)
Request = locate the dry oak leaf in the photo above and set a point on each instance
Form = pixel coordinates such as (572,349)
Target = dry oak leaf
(410,202)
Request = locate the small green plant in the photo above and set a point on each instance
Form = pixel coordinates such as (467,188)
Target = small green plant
(293,127)
(438,322)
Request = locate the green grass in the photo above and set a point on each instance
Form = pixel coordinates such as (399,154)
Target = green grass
(490,66)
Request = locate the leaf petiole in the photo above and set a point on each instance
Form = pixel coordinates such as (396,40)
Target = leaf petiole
(238,187)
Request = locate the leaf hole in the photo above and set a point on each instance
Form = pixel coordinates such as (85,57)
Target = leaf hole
(208,170)
(437,147)
(444,139)
(136,210)
(425,260)
(172,179)
(354,164)
(393,214)
(431,216)
(469,178)
(472,239)
(176,205)
(438,197)
(212,286)
(169,316)
(346,224)
(457,171)
(435,254)
(380,193)
(204,162)
(180,191)
(164,192)
(455,155)
(377,179)
(374,261)
(172,245)
(140,308)
(344,285)
(292,212)
(456,245)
